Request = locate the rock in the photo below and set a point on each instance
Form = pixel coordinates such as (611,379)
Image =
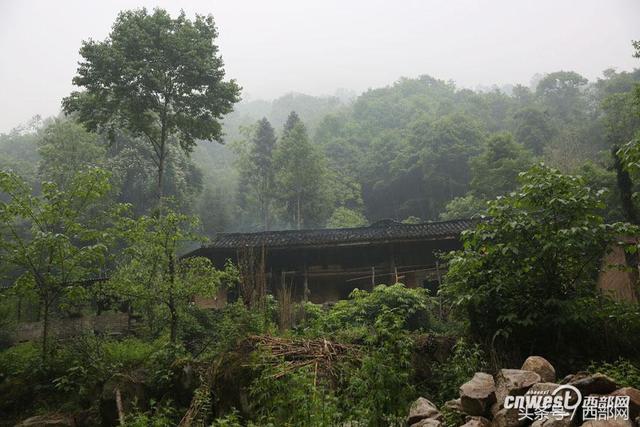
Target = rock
(540,366)
(544,386)
(634,400)
(493,410)
(477,395)
(507,418)
(567,379)
(454,405)
(514,382)
(48,420)
(427,422)
(476,422)
(594,384)
(553,422)
(132,392)
(422,409)
(608,423)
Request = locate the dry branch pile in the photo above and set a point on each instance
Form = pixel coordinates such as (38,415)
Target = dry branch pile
(297,353)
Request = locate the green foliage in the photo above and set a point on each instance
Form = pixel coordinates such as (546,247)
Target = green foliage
(495,170)
(624,372)
(151,274)
(65,148)
(257,173)
(466,360)
(542,243)
(468,206)
(160,415)
(296,399)
(344,218)
(57,240)
(156,77)
(300,177)
(88,362)
(19,360)
(385,307)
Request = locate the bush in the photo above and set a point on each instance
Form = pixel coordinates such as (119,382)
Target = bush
(354,319)
(525,279)
(19,360)
(622,371)
(466,360)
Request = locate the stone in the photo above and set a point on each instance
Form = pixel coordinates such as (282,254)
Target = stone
(476,422)
(427,422)
(634,400)
(422,409)
(594,384)
(540,366)
(477,395)
(507,418)
(608,423)
(454,405)
(48,420)
(553,422)
(514,382)
(493,410)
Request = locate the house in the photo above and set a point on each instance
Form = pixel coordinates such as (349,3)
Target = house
(327,264)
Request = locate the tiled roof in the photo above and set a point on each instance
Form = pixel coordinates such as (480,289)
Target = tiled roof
(385,230)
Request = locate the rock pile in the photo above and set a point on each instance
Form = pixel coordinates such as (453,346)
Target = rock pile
(482,398)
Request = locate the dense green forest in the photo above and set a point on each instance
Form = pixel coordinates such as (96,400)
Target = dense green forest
(420,149)
(146,161)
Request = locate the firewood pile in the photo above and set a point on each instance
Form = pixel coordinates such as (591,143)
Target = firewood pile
(320,353)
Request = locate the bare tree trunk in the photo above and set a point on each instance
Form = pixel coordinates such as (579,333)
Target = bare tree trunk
(299,219)
(625,187)
(120,407)
(161,166)
(45,332)
(174,325)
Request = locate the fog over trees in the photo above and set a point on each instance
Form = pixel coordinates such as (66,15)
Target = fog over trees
(113,311)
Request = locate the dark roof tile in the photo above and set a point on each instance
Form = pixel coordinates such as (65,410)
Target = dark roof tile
(385,230)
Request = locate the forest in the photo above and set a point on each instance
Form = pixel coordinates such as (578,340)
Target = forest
(156,152)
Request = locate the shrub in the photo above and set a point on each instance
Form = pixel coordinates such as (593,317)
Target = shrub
(624,372)
(525,278)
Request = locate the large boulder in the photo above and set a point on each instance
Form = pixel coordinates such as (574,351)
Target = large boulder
(476,422)
(427,422)
(422,409)
(478,394)
(634,400)
(540,366)
(553,422)
(608,423)
(507,418)
(454,405)
(548,388)
(594,384)
(514,382)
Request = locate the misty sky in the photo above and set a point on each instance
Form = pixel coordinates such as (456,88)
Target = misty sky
(317,46)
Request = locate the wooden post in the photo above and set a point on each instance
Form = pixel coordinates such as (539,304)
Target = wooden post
(439,284)
(373,277)
(306,282)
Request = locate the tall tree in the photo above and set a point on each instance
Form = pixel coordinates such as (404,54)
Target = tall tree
(495,171)
(533,129)
(562,93)
(156,77)
(300,177)
(57,241)
(152,274)
(65,148)
(257,171)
